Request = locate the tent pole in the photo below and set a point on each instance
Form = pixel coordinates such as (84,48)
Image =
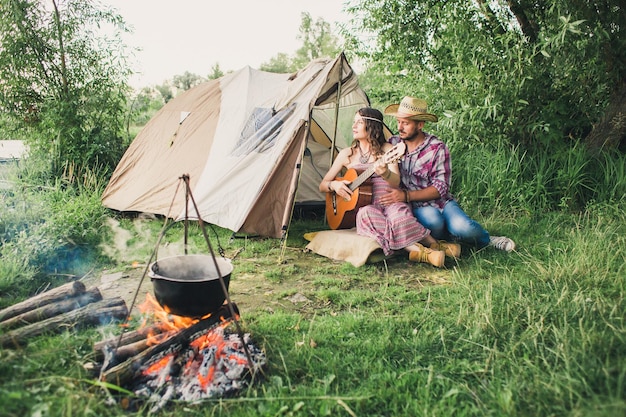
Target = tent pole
(287,223)
(333,146)
(332,149)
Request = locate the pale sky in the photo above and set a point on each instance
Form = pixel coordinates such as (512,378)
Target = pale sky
(193,35)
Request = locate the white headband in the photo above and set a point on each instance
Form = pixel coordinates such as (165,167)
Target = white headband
(371,118)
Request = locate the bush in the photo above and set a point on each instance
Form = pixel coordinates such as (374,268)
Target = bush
(51,230)
(500,177)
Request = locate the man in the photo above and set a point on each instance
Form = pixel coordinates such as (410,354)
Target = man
(425,172)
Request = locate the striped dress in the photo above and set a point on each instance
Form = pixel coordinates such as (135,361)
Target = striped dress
(394,227)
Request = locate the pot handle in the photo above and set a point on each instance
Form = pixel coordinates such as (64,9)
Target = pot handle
(165,229)
(155,254)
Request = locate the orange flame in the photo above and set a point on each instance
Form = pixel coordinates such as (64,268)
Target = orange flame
(169,324)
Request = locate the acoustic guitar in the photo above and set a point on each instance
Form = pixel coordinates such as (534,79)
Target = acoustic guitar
(341,213)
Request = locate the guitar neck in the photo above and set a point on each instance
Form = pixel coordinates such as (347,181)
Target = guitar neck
(362,178)
(391,155)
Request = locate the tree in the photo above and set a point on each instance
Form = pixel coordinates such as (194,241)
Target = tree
(526,72)
(64,81)
(216,72)
(165,90)
(281,63)
(187,80)
(318,41)
(146,103)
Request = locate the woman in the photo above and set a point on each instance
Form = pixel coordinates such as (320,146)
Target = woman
(393,226)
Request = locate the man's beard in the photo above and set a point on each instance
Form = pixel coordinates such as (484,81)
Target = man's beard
(415,135)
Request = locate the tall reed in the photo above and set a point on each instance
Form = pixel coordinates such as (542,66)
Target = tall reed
(509,178)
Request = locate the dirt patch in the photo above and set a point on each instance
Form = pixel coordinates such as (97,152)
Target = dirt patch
(254,292)
(258,283)
(251,292)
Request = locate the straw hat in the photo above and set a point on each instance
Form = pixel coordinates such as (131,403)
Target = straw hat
(411,108)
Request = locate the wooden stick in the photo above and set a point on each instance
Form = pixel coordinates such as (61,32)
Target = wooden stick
(92,314)
(50,310)
(130,344)
(124,352)
(129,337)
(48,297)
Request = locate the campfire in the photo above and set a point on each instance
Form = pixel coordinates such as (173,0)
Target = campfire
(190,351)
(171,357)
(167,357)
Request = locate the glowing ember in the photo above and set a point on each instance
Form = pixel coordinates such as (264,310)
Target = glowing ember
(214,364)
(198,364)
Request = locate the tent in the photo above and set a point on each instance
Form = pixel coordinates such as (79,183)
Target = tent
(253,143)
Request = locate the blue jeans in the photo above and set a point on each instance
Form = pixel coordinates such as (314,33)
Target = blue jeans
(452,224)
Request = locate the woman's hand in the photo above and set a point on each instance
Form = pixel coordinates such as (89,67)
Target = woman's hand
(382,169)
(388,171)
(341,189)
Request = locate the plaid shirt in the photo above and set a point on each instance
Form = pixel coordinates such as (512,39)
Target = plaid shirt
(428,165)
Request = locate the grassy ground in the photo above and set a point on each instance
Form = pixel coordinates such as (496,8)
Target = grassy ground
(539,331)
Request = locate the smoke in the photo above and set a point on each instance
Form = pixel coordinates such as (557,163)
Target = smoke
(137,244)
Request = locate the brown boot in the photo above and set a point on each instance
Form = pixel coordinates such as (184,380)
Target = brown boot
(429,256)
(452,250)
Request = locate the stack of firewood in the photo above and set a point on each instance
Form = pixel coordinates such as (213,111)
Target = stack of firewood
(69,306)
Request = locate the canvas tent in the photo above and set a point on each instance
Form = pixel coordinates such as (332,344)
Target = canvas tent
(253,144)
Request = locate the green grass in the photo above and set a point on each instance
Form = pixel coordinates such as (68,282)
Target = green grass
(537,332)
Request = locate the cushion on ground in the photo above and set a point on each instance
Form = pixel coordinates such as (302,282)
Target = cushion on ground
(345,245)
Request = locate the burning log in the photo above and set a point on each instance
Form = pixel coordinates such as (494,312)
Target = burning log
(128,337)
(54,295)
(122,353)
(125,372)
(50,310)
(206,359)
(129,344)
(91,314)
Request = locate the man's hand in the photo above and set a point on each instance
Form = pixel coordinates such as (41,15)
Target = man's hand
(392,196)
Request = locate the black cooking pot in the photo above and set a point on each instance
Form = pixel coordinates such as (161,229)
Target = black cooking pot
(189,285)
